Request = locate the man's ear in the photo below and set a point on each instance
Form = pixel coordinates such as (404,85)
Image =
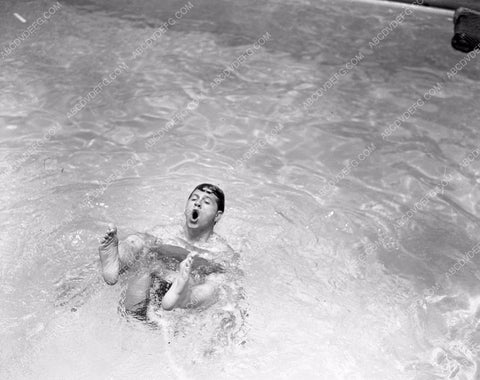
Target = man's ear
(218,216)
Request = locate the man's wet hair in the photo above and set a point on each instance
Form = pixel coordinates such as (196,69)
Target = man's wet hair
(215,190)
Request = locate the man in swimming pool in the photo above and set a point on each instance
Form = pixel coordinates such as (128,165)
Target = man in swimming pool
(139,254)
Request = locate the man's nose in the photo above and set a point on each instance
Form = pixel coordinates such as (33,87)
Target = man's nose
(196,203)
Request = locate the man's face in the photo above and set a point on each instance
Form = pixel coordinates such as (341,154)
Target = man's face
(201,210)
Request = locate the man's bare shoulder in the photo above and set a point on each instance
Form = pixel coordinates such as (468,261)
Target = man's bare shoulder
(220,248)
(220,243)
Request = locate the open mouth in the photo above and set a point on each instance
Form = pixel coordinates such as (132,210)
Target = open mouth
(194,215)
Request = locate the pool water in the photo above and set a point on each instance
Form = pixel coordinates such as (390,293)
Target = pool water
(334,286)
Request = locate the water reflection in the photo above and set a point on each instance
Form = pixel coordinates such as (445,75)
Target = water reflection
(333,286)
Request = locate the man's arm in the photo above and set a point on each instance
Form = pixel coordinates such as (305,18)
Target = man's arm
(180,254)
(169,251)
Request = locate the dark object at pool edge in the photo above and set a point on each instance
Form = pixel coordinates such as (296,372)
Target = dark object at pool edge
(466,29)
(445,4)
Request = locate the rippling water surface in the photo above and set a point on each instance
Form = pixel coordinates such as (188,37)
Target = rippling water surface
(335,287)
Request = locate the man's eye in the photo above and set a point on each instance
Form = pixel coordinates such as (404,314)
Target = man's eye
(207,202)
